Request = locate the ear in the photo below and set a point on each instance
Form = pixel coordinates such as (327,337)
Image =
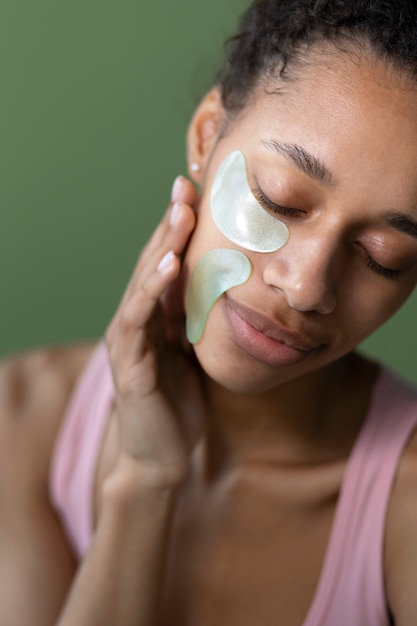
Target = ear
(203,132)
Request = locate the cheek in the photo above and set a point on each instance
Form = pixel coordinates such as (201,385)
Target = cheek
(366,307)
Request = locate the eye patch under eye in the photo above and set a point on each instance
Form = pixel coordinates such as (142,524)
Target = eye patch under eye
(237,213)
(216,272)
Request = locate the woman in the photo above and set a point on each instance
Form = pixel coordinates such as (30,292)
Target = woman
(267,475)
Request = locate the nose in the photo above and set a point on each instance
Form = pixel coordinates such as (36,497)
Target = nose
(306,273)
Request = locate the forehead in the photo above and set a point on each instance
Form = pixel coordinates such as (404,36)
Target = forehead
(355,113)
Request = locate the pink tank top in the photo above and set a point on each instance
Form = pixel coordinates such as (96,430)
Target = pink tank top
(350,590)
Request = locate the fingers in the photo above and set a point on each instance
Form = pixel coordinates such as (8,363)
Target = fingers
(183,193)
(157,268)
(173,237)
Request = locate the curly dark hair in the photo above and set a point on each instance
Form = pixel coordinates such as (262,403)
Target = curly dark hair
(275,34)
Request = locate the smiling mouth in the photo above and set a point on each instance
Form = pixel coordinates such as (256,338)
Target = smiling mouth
(265,339)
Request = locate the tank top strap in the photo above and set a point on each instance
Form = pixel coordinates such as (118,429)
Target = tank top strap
(75,455)
(351,585)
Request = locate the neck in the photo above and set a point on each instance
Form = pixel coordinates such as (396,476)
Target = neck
(309,420)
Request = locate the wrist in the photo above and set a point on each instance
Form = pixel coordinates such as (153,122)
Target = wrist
(132,482)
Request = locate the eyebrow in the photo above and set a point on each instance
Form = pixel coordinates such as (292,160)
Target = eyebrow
(403,223)
(303,160)
(314,168)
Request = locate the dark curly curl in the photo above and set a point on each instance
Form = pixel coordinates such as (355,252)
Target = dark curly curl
(274,34)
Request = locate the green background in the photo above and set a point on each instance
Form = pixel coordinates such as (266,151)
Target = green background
(95,100)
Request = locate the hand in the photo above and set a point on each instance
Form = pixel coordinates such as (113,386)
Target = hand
(158,397)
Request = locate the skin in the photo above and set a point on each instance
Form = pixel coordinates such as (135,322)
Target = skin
(218,478)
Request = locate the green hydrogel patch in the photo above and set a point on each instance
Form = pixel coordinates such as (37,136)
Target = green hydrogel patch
(215,273)
(238,214)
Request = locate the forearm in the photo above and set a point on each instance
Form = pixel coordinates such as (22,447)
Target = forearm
(120,579)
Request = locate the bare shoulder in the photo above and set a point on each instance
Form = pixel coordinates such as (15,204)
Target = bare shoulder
(401,539)
(37,564)
(34,391)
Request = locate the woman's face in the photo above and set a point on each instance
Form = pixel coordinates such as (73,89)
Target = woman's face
(334,154)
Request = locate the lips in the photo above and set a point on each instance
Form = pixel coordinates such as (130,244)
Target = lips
(264,338)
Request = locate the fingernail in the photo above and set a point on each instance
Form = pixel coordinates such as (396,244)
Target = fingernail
(166,261)
(176,188)
(174,213)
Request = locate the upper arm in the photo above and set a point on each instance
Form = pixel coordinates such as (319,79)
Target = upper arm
(36,562)
(401,541)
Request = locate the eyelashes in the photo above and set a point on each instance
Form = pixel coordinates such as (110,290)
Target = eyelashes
(379,269)
(272,206)
(284,211)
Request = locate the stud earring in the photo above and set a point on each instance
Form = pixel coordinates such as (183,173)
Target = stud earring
(195,167)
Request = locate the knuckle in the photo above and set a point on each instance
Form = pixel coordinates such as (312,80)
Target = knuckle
(128,317)
(147,289)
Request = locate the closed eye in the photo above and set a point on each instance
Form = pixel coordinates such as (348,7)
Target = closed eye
(378,268)
(267,204)
(278,209)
